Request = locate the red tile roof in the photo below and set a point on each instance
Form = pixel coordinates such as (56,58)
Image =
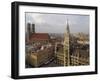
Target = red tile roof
(39,36)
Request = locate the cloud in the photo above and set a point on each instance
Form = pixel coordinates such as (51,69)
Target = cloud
(34,18)
(56,23)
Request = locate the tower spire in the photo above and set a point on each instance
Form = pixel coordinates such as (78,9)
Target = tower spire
(68,31)
(66,46)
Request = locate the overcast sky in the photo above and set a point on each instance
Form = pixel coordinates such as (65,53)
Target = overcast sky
(56,23)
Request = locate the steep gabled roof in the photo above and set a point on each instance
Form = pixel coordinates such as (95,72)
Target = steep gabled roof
(39,36)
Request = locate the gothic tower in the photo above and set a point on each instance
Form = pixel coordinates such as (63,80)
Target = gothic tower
(28,31)
(33,28)
(67,46)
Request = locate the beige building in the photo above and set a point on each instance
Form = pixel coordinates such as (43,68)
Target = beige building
(41,57)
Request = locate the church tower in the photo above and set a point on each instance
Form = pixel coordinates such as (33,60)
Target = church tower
(67,46)
(33,28)
(28,31)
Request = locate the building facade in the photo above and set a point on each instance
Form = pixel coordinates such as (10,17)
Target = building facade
(66,51)
(38,49)
(72,52)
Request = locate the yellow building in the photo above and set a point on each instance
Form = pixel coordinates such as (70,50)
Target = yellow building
(39,58)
